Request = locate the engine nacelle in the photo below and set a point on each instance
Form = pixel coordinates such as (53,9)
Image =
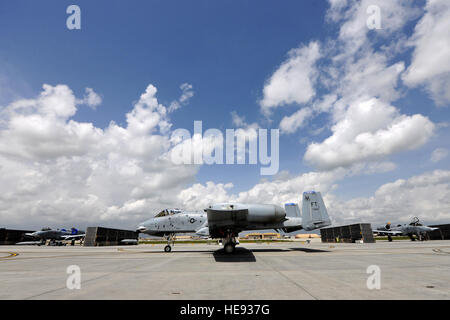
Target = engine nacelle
(264,213)
(255,213)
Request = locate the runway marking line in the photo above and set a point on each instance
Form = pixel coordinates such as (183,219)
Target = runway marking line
(440,251)
(11,255)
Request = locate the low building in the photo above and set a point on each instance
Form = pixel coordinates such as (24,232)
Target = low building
(262,236)
(306,236)
(99,236)
(183,237)
(348,233)
(9,236)
(443,233)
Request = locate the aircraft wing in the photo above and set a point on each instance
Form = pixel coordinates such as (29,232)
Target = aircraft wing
(29,243)
(74,236)
(222,219)
(388,232)
(218,218)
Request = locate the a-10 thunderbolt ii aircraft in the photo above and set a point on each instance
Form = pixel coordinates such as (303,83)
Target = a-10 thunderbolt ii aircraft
(411,229)
(55,236)
(225,220)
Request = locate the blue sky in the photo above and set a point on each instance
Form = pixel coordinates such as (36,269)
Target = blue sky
(226,50)
(229,52)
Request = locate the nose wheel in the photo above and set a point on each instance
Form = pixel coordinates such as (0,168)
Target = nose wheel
(170,241)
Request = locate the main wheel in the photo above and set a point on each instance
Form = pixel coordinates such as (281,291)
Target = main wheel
(167,248)
(229,248)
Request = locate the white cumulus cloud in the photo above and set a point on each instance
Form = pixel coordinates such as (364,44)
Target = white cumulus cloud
(186,95)
(369,130)
(91,98)
(293,81)
(292,123)
(430,64)
(55,170)
(426,196)
(439,154)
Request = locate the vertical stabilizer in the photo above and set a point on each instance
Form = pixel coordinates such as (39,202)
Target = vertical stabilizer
(314,212)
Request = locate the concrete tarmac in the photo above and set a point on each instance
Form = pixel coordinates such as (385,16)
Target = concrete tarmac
(291,270)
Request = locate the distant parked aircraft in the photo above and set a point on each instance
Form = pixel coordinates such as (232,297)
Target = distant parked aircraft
(412,229)
(55,236)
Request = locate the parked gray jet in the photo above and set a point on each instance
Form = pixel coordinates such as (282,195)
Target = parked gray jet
(55,236)
(226,220)
(411,229)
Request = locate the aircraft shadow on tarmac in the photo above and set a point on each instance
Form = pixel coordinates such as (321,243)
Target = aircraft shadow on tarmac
(270,250)
(240,255)
(309,250)
(245,255)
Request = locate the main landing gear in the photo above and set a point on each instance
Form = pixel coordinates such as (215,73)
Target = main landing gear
(421,237)
(229,243)
(56,243)
(170,240)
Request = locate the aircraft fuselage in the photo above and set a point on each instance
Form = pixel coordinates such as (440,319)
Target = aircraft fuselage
(247,217)
(183,222)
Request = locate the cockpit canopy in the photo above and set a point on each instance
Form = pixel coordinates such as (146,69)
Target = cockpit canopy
(168,212)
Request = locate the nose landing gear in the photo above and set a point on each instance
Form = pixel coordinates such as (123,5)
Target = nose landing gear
(170,241)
